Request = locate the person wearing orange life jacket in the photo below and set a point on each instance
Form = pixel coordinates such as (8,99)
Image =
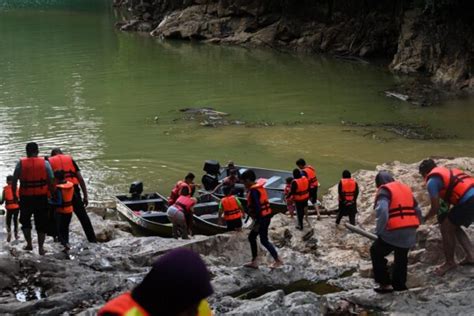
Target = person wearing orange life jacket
(188,182)
(72,173)
(455,188)
(12,207)
(232,209)
(300,194)
(310,173)
(259,209)
(36,182)
(398,217)
(177,285)
(63,203)
(180,214)
(348,190)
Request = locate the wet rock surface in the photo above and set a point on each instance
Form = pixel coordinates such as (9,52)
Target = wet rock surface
(327,268)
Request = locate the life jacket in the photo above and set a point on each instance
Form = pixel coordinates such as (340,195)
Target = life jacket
(176,192)
(302,189)
(185,203)
(123,305)
(33,177)
(10,204)
(67,191)
(286,191)
(402,213)
(455,183)
(231,208)
(66,164)
(265,209)
(348,190)
(311,175)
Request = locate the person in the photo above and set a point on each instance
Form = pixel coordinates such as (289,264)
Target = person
(310,173)
(12,207)
(72,173)
(188,183)
(290,204)
(300,194)
(180,214)
(456,188)
(36,182)
(259,209)
(228,181)
(231,167)
(62,201)
(348,191)
(398,217)
(232,209)
(177,285)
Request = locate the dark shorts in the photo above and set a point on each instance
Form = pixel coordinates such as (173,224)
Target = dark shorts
(313,194)
(301,204)
(36,206)
(461,214)
(234,224)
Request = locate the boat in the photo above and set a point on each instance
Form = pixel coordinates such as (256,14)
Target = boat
(147,214)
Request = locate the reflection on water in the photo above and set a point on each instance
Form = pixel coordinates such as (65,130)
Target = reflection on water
(68,79)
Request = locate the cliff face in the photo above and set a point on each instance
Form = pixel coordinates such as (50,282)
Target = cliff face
(436,42)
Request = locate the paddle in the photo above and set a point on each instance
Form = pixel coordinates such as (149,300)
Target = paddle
(361,232)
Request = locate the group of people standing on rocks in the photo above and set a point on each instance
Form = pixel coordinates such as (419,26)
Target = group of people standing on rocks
(50,192)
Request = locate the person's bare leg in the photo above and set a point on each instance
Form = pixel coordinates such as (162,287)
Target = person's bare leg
(448,233)
(466,245)
(306,217)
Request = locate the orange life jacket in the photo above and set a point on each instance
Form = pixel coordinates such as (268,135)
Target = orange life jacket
(176,192)
(265,209)
(302,189)
(33,177)
(123,305)
(10,204)
(455,183)
(402,213)
(231,208)
(311,175)
(67,191)
(185,203)
(348,190)
(66,164)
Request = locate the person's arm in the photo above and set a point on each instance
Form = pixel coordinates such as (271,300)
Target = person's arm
(339,191)
(50,175)
(16,176)
(419,214)
(59,198)
(381,211)
(356,194)
(294,189)
(240,206)
(217,187)
(255,196)
(82,184)
(2,200)
(434,185)
(220,210)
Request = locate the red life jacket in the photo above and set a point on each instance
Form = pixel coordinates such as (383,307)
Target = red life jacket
(10,204)
(302,190)
(265,209)
(348,190)
(67,191)
(66,164)
(123,305)
(311,175)
(176,192)
(33,177)
(185,203)
(231,208)
(402,213)
(455,183)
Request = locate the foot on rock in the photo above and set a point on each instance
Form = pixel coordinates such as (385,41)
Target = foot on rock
(442,269)
(41,252)
(278,263)
(319,218)
(28,248)
(384,289)
(466,262)
(251,265)
(9,237)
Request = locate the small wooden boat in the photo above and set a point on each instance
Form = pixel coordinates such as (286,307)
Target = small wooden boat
(147,215)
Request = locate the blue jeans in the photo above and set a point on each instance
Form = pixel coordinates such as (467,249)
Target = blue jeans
(261,229)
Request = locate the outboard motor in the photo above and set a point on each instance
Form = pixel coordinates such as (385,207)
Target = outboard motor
(136,190)
(211,179)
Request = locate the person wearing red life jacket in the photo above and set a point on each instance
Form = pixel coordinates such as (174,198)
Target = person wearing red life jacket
(188,183)
(290,203)
(456,189)
(348,191)
(299,193)
(310,173)
(177,285)
(398,217)
(180,214)
(61,162)
(12,207)
(232,210)
(63,203)
(36,182)
(259,209)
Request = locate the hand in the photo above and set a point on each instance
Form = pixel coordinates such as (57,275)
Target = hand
(85,200)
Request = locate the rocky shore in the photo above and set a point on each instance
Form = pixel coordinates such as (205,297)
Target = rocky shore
(327,269)
(431,40)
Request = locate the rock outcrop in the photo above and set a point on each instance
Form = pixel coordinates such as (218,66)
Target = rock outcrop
(433,40)
(327,269)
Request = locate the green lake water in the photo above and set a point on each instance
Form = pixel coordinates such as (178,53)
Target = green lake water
(69,79)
